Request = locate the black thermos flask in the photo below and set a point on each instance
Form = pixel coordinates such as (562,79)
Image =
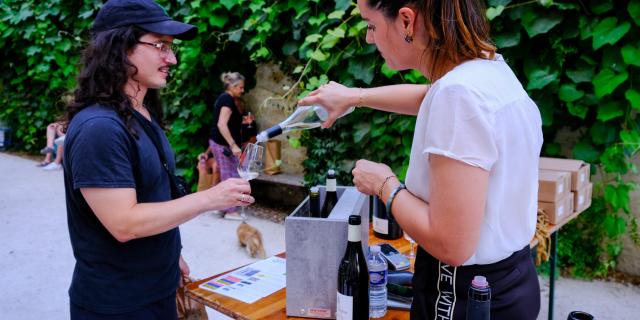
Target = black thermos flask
(479,303)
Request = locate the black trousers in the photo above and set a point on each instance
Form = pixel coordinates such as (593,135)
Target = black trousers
(440,290)
(164,309)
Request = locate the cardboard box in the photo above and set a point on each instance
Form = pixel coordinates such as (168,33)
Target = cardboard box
(557,211)
(553,185)
(580,170)
(582,198)
(314,249)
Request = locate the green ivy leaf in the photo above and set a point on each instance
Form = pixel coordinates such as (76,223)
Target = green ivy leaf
(507,40)
(313,38)
(633,97)
(218,20)
(602,133)
(569,93)
(613,160)
(608,31)
(634,11)
(539,24)
(631,54)
(362,130)
(342,4)
(318,55)
(610,110)
(631,139)
(338,14)
(552,149)
(601,6)
(585,151)
(361,69)
(615,227)
(388,72)
(583,73)
(586,28)
(316,21)
(606,81)
(578,110)
(494,12)
(540,78)
(546,3)
(229,4)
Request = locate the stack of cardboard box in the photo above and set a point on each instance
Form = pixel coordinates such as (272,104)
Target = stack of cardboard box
(564,188)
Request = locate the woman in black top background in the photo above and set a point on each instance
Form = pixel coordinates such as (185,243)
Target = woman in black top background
(226,133)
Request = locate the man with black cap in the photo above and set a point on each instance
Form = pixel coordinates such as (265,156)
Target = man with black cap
(123,203)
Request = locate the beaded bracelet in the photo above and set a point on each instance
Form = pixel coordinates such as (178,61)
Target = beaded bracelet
(392,196)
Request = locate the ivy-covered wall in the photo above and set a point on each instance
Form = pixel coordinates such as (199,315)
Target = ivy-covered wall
(579,60)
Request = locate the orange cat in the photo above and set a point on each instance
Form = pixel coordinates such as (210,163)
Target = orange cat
(251,238)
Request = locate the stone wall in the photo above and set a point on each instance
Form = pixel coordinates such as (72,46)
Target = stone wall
(629,260)
(269,109)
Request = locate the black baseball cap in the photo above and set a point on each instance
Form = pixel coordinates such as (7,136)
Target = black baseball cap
(145,14)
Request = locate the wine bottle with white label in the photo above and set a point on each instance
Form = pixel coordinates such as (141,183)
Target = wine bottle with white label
(385,225)
(353,277)
(304,117)
(331,195)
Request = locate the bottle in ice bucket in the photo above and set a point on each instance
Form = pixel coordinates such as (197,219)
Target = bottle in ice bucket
(314,202)
(479,303)
(304,117)
(331,194)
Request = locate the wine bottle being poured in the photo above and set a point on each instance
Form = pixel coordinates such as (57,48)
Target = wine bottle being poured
(304,117)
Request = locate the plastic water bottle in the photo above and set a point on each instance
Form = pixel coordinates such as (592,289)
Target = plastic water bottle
(377,283)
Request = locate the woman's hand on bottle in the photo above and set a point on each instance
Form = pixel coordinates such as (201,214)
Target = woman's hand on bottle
(368,176)
(334,97)
(229,193)
(236,151)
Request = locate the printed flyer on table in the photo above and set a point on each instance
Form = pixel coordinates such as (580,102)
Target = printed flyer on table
(252,282)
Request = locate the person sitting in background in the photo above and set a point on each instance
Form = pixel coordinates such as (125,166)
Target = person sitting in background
(57,163)
(54,131)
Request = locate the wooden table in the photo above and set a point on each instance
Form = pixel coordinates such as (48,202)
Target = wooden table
(273,307)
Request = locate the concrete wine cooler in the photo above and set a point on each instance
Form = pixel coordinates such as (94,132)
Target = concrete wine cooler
(314,248)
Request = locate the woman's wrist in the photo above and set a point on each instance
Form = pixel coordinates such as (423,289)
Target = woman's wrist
(356,97)
(388,187)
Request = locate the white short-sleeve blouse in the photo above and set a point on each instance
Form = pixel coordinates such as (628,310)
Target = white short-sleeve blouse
(478,113)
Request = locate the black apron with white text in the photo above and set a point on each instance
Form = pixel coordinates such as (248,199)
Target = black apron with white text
(440,290)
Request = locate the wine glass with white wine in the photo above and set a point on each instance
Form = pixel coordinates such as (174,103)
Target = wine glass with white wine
(411,254)
(249,165)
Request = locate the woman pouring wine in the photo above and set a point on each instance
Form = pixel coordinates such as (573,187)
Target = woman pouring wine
(471,190)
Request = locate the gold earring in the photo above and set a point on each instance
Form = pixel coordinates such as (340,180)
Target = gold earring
(408,38)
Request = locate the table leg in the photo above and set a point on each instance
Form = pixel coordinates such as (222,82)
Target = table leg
(552,272)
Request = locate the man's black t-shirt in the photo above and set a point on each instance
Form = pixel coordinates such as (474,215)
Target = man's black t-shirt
(235,120)
(110,276)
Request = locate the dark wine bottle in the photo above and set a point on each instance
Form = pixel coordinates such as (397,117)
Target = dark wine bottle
(479,302)
(314,202)
(331,196)
(385,225)
(353,277)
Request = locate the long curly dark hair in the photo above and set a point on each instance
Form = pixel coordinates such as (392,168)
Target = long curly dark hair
(104,74)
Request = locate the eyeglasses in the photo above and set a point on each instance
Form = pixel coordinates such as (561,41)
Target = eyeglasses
(164,47)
